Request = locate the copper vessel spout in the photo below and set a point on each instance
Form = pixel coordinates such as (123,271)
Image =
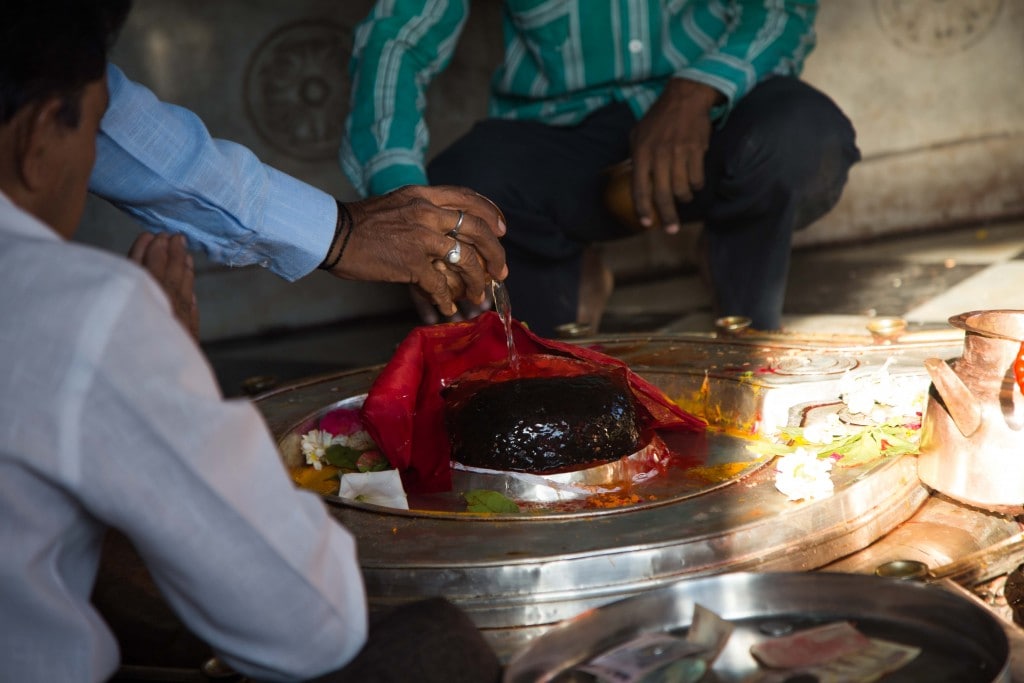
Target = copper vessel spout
(960,402)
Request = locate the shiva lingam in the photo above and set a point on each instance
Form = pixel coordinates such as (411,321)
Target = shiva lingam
(545,426)
(972,435)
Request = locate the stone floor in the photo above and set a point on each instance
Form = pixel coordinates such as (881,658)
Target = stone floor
(924,278)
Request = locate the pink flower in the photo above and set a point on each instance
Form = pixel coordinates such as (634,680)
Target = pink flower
(372,461)
(341,422)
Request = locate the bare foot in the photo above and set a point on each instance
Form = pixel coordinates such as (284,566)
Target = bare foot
(596,285)
(167,259)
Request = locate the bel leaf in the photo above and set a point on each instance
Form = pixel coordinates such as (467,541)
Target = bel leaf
(342,456)
(769,448)
(482,500)
(871,443)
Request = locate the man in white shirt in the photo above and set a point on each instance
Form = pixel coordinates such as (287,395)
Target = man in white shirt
(110,417)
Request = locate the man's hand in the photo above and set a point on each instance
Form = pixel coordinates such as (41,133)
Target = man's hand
(464,309)
(403,236)
(167,259)
(668,147)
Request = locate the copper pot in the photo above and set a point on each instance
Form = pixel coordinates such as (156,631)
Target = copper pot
(972,435)
(618,195)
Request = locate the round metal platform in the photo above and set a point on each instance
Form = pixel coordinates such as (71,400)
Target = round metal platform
(517,575)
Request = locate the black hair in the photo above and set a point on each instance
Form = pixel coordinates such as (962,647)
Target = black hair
(54,48)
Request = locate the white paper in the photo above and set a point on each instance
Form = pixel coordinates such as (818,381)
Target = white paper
(376,488)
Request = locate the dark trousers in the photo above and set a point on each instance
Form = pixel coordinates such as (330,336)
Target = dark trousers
(430,641)
(778,163)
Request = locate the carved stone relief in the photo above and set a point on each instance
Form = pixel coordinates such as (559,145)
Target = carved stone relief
(936,27)
(297,88)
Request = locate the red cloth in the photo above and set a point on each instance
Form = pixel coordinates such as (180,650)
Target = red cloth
(404,410)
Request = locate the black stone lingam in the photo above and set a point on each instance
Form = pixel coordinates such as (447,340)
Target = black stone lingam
(543,424)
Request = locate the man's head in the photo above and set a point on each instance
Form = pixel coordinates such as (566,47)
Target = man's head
(53,92)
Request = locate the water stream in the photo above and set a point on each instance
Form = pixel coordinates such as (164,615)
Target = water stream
(504,309)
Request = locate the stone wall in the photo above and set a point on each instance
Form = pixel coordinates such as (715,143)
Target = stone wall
(935,90)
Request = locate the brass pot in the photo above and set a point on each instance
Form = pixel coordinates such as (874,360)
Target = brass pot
(618,195)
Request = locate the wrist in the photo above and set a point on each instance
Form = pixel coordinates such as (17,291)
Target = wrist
(695,91)
(342,232)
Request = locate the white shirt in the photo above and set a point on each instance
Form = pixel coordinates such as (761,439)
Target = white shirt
(110,416)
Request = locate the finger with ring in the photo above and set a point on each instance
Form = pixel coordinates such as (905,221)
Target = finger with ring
(454,254)
(454,232)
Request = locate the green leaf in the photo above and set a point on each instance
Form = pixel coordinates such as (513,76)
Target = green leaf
(872,443)
(867,444)
(795,434)
(900,441)
(855,450)
(769,448)
(342,456)
(482,500)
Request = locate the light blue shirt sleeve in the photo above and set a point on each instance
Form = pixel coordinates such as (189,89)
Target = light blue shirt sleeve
(158,162)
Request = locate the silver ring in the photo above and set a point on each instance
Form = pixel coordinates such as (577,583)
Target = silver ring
(454,232)
(454,254)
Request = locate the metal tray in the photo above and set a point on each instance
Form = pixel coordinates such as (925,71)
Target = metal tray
(519,575)
(960,641)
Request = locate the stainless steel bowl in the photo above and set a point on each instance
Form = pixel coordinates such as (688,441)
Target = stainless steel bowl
(959,640)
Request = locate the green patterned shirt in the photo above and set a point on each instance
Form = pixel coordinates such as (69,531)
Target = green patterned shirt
(563,60)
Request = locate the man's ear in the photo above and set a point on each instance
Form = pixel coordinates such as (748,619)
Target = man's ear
(41,134)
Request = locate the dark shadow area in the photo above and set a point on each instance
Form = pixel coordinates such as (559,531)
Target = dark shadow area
(823,285)
(252,365)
